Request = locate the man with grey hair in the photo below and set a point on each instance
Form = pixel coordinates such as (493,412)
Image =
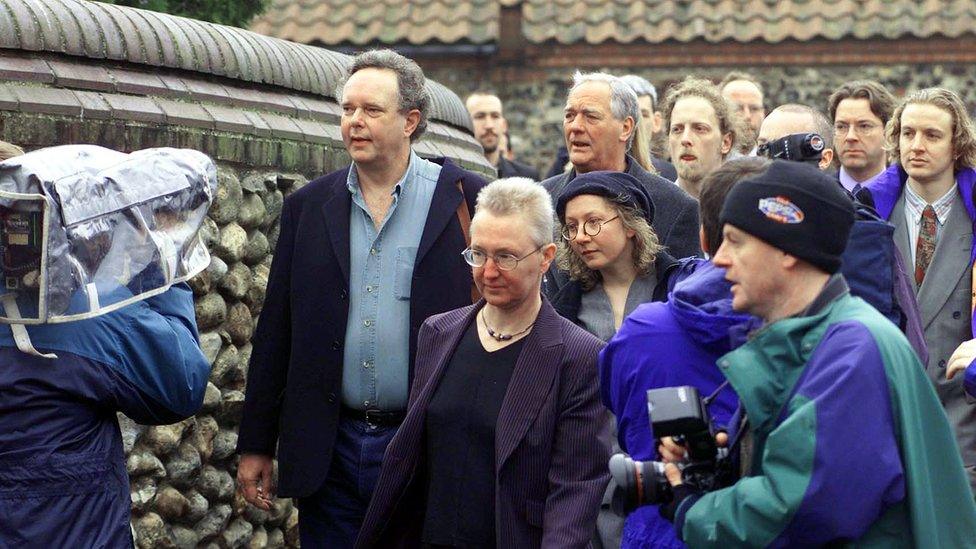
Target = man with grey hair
(364,255)
(599,124)
(651,121)
(793,118)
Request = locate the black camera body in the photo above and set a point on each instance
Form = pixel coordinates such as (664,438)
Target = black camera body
(677,412)
(798,147)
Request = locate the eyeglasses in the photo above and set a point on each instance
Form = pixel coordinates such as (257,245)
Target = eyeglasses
(591,228)
(861,128)
(504,262)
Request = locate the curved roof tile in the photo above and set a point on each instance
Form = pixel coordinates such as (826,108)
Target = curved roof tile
(95,30)
(656,21)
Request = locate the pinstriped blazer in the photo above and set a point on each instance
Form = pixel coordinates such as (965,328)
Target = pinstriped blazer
(551,440)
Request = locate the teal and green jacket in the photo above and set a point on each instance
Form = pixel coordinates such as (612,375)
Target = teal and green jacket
(850,443)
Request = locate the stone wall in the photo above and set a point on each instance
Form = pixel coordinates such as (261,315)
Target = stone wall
(182,475)
(73,71)
(534,108)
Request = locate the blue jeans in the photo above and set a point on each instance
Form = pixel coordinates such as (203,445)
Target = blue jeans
(331,517)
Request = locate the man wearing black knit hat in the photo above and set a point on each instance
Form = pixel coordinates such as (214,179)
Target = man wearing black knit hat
(841,437)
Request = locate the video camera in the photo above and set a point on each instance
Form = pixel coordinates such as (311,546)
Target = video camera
(681,413)
(85,230)
(798,147)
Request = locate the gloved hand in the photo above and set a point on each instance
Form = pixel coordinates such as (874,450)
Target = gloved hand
(680,490)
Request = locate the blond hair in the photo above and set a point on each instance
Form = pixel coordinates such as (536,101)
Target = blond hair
(646,247)
(963,130)
(9,150)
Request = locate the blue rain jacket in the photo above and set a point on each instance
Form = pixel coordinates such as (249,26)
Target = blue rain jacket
(669,344)
(63,480)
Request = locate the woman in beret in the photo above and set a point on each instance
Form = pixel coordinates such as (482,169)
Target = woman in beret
(609,252)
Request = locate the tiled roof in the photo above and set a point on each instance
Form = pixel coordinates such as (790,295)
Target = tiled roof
(359,22)
(655,21)
(95,30)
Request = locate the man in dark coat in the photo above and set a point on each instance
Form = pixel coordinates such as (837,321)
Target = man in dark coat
(364,255)
(601,115)
(490,127)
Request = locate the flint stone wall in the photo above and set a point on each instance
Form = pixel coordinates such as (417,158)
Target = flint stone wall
(534,108)
(73,71)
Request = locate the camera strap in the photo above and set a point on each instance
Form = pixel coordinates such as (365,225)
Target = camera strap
(21,337)
(708,400)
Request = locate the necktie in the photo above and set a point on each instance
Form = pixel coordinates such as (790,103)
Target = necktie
(925,246)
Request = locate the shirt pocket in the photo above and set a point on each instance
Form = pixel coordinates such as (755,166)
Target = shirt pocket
(406,256)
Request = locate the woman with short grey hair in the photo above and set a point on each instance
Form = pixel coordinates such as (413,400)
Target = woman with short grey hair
(504,420)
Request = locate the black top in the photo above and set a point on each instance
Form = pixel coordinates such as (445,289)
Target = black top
(512,168)
(460,444)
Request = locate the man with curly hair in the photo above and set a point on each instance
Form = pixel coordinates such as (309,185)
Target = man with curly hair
(927,194)
(701,131)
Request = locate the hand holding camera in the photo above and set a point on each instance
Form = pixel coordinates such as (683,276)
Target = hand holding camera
(693,454)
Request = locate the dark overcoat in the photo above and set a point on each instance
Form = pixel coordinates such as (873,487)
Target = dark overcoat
(295,376)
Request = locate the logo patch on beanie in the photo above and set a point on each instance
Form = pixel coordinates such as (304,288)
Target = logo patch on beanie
(780,210)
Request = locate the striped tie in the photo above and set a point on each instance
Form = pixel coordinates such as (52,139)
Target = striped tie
(925,246)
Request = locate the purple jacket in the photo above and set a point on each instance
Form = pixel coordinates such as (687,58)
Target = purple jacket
(551,440)
(664,345)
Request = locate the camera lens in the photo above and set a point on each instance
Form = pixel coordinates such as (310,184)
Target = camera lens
(638,483)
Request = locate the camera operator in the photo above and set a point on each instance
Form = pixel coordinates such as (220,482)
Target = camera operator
(845,438)
(63,480)
(874,267)
(688,332)
(797,132)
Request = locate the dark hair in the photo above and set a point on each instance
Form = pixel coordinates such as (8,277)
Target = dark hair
(881,100)
(411,84)
(716,186)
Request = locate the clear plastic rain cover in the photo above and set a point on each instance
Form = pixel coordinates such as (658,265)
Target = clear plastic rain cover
(85,230)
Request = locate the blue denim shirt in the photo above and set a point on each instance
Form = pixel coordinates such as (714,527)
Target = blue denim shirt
(376,355)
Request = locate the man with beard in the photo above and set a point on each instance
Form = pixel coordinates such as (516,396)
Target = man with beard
(860,110)
(701,131)
(490,127)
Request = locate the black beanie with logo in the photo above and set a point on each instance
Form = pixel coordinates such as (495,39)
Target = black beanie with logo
(796,208)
